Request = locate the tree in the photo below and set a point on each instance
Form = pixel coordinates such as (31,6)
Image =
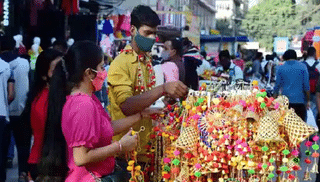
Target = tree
(223,25)
(271,18)
(308,13)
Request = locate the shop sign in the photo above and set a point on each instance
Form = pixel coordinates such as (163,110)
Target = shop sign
(6,13)
(281,44)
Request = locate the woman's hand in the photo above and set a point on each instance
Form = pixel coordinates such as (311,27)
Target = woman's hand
(128,142)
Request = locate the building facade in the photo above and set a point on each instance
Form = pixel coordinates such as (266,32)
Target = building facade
(173,12)
(232,12)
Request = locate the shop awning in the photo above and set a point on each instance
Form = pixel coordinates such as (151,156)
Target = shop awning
(219,38)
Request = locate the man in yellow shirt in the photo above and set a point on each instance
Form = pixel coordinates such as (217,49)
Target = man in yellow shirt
(131,76)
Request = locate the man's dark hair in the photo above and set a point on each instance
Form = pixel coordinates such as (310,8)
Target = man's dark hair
(259,55)
(60,45)
(176,44)
(204,54)
(6,43)
(269,57)
(224,53)
(311,51)
(144,15)
(290,54)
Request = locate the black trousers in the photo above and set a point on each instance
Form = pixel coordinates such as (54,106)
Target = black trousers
(22,136)
(4,144)
(300,109)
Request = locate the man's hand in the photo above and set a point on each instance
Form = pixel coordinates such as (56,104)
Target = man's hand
(308,105)
(147,113)
(175,89)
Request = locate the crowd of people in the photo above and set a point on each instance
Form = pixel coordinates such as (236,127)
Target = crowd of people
(81,134)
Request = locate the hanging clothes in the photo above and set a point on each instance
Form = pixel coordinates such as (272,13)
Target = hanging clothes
(36,5)
(107,28)
(126,23)
(70,7)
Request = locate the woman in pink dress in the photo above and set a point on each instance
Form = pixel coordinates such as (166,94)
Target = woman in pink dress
(78,137)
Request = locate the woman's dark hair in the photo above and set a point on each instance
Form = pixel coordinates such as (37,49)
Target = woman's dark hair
(224,53)
(60,45)
(311,51)
(67,74)
(176,44)
(42,67)
(144,15)
(290,54)
(269,57)
(258,55)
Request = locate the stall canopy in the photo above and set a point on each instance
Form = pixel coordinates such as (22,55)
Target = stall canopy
(218,38)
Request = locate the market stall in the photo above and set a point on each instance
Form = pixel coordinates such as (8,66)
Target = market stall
(229,133)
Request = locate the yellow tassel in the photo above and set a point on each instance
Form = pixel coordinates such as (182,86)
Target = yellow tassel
(245,149)
(227,142)
(215,170)
(314,168)
(201,156)
(215,158)
(222,160)
(307,175)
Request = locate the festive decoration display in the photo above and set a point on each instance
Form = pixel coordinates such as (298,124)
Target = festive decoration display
(237,135)
(142,85)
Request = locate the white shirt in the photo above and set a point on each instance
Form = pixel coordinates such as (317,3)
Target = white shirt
(4,77)
(238,73)
(204,66)
(20,68)
(310,61)
(158,74)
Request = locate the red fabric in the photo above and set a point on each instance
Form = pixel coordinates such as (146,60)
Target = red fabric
(120,22)
(70,6)
(240,63)
(308,39)
(22,50)
(38,117)
(36,5)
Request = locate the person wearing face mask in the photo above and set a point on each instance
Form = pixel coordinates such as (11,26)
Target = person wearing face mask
(35,112)
(235,72)
(131,78)
(78,143)
(173,67)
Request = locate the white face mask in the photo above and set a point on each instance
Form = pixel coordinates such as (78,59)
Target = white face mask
(165,55)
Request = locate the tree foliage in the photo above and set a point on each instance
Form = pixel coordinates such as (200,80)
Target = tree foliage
(223,25)
(271,18)
(308,14)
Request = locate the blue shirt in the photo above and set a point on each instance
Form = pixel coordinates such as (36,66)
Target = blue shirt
(293,80)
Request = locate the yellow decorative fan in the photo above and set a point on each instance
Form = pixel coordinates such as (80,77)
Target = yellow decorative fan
(188,138)
(296,128)
(268,130)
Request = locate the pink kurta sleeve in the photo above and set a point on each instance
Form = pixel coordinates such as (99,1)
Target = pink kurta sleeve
(170,71)
(84,125)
